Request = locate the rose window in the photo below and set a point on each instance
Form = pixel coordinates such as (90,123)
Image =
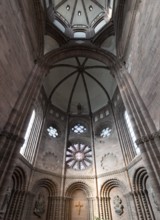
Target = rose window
(79,156)
(79,129)
(105,132)
(52,132)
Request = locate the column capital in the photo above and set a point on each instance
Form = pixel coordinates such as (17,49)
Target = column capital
(12,136)
(148,137)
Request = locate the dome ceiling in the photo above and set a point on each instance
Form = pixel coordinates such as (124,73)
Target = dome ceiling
(79,84)
(80,18)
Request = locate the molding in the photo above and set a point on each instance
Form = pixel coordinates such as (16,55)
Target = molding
(12,137)
(134,161)
(122,170)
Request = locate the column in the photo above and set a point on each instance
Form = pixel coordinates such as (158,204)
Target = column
(11,138)
(143,126)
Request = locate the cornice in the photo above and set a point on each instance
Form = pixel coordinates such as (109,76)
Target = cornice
(89,177)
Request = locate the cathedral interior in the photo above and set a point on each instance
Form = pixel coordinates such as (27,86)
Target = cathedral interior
(79,110)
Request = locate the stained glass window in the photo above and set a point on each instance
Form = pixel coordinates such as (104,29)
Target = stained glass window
(52,132)
(79,129)
(131,131)
(79,156)
(105,132)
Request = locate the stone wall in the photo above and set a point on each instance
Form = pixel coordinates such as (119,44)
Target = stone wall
(142,56)
(18,51)
(51,149)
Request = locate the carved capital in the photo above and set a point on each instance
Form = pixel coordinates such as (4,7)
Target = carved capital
(12,137)
(148,137)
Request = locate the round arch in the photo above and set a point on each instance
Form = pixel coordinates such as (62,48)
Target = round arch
(45,183)
(78,186)
(96,53)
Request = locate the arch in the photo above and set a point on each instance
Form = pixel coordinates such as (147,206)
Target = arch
(17,196)
(105,200)
(78,186)
(50,199)
(144,208)
(19,179)
(110,184)
(72,190)
(47,184)
(83,51)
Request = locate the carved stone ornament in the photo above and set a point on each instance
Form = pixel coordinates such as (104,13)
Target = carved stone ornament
(118,205)
(50,161)
(39,208)
(108,161)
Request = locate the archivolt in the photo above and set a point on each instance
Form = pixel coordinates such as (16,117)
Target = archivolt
(141,196)
(78,186)
(106,212)
(46,183)
(80,51)
(19,179)
(17,198)
(110,184)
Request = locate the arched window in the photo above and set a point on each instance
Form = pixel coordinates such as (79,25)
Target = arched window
(131,131)
(32,134)
(26,137)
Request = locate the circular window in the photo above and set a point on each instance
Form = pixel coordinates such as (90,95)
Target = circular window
(105,132)
(79,129)
(52,132)
(79,156)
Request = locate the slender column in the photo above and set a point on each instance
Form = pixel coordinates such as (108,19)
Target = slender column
(130,202)
(94,164)
(67,208)
(63,174)
(51,208)
(28,206)
(91,212)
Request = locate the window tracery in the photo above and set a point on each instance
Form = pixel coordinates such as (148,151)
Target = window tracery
(79,156)
(105,132)
(32,133)
(52,132)
(131,131)
(79,129)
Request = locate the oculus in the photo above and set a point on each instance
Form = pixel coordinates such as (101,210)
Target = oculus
(52,132)
(79,156)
